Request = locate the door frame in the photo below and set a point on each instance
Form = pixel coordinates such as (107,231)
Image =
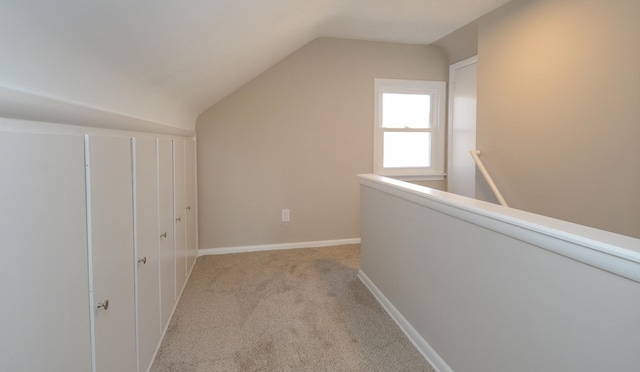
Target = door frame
(452,74)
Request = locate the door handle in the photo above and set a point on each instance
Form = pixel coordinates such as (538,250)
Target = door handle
(104,305)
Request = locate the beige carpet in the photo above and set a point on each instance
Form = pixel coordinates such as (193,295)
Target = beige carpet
(290,310)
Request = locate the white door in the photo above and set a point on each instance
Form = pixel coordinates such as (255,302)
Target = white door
(191,211)
(180,214)
(147,243)
(166,222)
(44,283)
(461,175)
(112,254)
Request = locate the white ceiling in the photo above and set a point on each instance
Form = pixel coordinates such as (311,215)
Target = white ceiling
(167,60)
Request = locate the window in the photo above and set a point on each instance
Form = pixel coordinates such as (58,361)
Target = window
(409,129)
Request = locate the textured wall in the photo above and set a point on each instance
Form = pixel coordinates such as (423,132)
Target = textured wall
(295,137)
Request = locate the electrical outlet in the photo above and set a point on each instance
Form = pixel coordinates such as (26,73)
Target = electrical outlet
(286,215)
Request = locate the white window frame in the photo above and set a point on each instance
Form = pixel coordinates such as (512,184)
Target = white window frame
(437,91)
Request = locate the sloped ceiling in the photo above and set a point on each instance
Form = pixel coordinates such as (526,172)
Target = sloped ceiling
(166,61)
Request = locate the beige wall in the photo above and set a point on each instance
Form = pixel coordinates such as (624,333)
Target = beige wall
(559,108)
(460,44)
(295,137)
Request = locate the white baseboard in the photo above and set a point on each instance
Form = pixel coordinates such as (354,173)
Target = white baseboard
(274,247)
(166,327)
(420,343)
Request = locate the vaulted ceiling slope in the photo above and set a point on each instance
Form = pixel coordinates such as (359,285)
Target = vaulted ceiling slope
(166,61)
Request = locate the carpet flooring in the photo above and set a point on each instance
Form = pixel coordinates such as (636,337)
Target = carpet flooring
(289,310)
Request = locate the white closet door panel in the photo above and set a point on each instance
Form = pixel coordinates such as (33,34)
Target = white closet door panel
(111,207)
(147,240)
(462,128)
(180,214)
(166,223)
(44,316)
(191,210)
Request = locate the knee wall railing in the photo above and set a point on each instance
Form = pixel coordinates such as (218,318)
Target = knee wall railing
(480,287)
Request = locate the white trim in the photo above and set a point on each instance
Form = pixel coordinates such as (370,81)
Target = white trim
(197,221)
(452,86)
(420,343)
(134,207)
(174,225)
(20,104)
(87,186)
(166,327)
(275,247)
(158,244)
(615,253)
(431,177)
(13,125)
(437,91)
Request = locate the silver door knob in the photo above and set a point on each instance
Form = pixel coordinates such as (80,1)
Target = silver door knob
(104,305)
(142,260)
(179,219)
(163,235)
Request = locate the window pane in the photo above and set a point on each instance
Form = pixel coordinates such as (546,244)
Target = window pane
(405,110)
(406,149)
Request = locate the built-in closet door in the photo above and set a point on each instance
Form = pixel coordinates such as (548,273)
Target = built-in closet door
(147,246)
(112,253)
(191,209)
(44,282)
(166,223)
(180,214)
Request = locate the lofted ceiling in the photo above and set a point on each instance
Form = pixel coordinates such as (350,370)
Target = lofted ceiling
(166,61)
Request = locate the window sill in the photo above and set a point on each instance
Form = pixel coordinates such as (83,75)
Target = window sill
(429,177)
